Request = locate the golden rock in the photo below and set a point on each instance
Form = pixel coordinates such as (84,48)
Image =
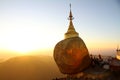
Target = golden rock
(71,55)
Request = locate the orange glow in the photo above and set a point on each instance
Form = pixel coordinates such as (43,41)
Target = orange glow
(118,57)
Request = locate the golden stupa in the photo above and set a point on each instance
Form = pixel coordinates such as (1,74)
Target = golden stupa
(71,54)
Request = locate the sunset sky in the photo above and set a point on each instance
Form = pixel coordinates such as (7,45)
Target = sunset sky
(36,26)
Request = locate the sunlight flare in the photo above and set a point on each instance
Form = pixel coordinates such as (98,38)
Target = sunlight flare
(26,39)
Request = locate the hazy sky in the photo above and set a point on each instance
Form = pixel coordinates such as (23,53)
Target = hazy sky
(27,25)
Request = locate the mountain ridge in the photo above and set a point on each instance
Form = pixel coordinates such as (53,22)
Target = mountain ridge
(29,68)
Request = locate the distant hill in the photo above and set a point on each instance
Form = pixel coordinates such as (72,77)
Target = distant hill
(29,68)
(1,60)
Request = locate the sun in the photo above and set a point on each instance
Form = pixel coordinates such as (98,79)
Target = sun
(25,40)
(21,47)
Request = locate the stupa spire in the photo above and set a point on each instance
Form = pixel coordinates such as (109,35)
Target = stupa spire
(118,53)
(70,15)
(117,48)
(71,30)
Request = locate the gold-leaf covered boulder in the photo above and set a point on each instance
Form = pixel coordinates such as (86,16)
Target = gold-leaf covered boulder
(71,55)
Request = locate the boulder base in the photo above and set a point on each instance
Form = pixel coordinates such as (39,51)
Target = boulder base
(71,55)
